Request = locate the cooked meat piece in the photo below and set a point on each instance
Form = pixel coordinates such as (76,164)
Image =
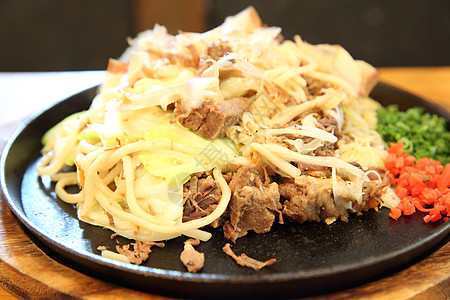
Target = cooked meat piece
(278,95)
(325,122)
(315,86)
(246,261)
(328,149)
(194,54)
(110,219)
(212,119)
(215,50)
(200,197)
(253,204)
(191,258)
(328,122)
(188,60)
(140,252)
(193,242)
(314,170)
(311,199)
(250,175)
(374,189)
(252,208)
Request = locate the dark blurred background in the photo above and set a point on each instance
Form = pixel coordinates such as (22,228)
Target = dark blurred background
(49,35)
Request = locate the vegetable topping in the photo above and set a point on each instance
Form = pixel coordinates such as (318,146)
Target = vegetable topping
(422,134)
(422,184)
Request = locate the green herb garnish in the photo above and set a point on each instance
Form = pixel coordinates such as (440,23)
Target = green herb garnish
(423,134)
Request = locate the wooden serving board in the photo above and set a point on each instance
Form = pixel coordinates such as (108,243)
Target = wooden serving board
(26,271)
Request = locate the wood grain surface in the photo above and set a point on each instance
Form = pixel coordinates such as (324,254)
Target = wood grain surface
(430,83)
(27,272)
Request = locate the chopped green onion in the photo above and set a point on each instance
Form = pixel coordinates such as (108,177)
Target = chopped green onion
(422,134)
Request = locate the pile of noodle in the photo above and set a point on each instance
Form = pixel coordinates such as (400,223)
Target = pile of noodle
(130,157)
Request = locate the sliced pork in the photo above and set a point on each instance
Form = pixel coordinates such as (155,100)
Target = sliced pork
(254,202)
(311,199)
(191,258)
(200,197)
(246,261)
(140,251)
(212,118)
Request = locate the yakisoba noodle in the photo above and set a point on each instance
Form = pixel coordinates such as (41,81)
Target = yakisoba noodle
(95,188)
(135,151)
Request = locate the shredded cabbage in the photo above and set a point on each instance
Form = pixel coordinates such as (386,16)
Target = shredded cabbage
(176,166)
(58,129)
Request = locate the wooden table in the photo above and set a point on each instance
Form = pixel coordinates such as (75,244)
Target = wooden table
(26,271)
